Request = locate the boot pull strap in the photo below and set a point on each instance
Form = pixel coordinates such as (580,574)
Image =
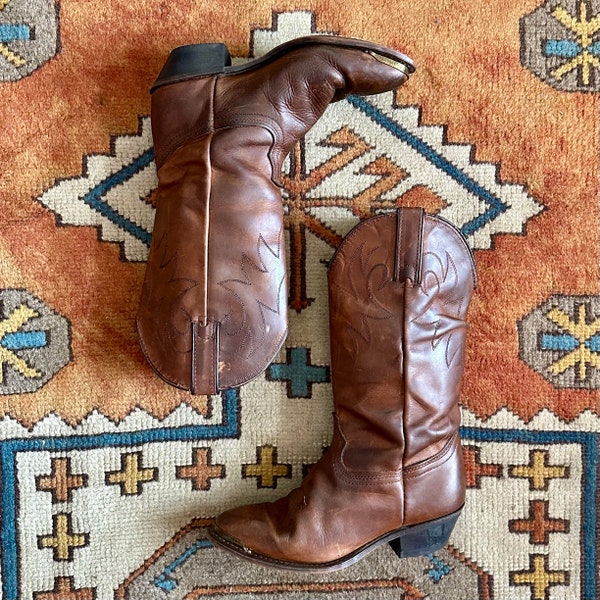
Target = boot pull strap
(409,244)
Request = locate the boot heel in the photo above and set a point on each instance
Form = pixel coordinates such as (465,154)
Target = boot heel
(425,538)
(193,60)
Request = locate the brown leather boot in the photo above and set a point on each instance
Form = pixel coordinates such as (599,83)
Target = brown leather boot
(399,288)
(213,311)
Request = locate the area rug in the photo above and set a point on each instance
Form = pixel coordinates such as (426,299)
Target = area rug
(109,476)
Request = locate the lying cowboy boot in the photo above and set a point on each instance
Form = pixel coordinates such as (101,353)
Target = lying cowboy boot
(399,288)
(213,311)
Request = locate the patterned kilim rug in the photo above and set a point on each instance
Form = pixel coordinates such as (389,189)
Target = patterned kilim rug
(109,476)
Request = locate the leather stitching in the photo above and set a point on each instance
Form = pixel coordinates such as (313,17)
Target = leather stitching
(440,221)
(432,462)
(176,141)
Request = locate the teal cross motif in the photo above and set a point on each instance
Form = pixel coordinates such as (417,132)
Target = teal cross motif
(439,569)
(298,373)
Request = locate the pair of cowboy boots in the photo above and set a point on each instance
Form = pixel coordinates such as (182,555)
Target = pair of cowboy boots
(213,309)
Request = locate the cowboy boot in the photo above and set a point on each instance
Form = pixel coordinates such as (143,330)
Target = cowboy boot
(399,288)
(213,306)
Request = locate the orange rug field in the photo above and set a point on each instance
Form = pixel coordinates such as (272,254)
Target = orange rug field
(109,475)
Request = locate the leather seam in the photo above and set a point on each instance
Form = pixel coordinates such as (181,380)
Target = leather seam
(266,122)
(194,366)
(215,370)
(251,119)
(399,221)
(360,477)
(178,140)
(408,270)
(419,265)
(426,465)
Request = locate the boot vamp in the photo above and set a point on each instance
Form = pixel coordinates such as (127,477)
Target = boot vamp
(322,521)
(290,94)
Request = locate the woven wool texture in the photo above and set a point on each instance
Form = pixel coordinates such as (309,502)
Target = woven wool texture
(109,476)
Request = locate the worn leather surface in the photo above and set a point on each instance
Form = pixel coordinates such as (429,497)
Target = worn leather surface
(213,306)
(399,287)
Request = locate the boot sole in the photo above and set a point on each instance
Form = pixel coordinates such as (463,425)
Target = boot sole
(200,60)
(414,540)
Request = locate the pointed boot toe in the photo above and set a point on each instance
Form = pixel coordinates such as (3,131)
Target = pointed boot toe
(247,532)
(242,524)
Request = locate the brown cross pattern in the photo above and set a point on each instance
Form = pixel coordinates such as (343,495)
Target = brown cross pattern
(539,525)
(64,590)
(61,482)
(475,469)
(201,472)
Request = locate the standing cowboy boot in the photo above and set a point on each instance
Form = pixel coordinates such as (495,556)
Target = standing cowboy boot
(213,308)
(399,288)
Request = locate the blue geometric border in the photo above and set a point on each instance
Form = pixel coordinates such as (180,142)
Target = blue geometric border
(95,198)
(589,444)
(495,205)
(228,428)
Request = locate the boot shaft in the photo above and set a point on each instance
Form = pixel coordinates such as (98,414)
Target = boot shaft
(400,286)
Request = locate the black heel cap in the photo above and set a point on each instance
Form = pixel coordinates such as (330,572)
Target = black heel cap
(425,538)
(191,61)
